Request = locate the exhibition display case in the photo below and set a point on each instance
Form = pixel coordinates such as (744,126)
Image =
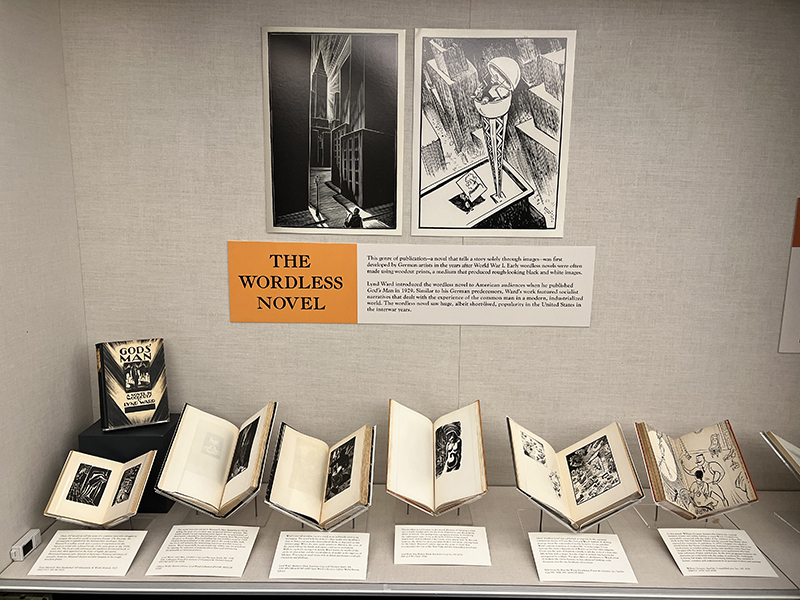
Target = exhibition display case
(134,152)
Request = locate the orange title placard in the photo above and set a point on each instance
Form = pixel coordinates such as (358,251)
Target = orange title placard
(287,282)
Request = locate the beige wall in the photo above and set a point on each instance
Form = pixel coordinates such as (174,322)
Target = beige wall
(44,385)
(683,174)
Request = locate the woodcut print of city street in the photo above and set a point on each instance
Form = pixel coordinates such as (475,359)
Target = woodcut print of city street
(331,111)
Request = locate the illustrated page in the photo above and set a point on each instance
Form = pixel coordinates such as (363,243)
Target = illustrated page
(200,455)
(715,473)
(598,472)
(671,475)
(458,455)
(248,453)
(537,469)
(343,480)
(84,490)
(410,462)
(299,478)
(129,486)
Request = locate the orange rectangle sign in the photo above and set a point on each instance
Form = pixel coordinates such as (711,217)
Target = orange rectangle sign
(287,282)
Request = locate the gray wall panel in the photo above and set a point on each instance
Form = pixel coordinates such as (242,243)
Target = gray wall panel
(45,398)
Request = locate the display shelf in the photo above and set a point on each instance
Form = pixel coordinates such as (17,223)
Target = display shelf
(512,572)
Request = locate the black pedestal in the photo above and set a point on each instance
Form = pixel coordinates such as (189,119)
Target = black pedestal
(124,444)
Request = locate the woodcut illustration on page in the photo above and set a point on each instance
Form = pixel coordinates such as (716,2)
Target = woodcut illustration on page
(491,127)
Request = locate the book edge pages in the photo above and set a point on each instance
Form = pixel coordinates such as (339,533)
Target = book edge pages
(744,465)
(484,485)
(774,442)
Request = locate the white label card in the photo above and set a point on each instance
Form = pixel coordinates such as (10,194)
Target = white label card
(593,557)
(312,555)
(435,545)
(716,552)
(219,550)
(89,553)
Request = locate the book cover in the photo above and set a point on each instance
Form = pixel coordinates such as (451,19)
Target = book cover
(132,381)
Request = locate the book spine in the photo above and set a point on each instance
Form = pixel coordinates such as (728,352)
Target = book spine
(741,459)
(101,386)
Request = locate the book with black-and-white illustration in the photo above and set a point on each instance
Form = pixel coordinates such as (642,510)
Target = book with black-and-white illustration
(132,381)
(786,451)
(99,492)
(214,466)
(699,474)
(436,466)
(580,485)
(321,486)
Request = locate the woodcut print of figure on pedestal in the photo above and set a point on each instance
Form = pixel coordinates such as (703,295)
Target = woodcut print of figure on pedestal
(491,127)
(333,140)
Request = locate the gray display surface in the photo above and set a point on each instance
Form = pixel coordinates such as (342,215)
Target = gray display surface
(506,514)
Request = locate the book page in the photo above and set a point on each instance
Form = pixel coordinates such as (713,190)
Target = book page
(343,479)
(715,472)
(248,456)
(671,477)
(536,468)
(128,492)
(200,456)
(409,472)
(597,473)
(85,488)
(299,480)
(460,470)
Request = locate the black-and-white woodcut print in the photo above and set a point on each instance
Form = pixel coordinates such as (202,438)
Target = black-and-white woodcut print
(592,470)
(333,130)
(491,131)
(340,468)
(126,485)
(448,448)
(89,484)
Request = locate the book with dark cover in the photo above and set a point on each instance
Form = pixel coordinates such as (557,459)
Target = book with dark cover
(132,381)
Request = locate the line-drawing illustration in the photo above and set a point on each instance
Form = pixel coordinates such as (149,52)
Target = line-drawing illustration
(332,143)
(491,126)
(533,448)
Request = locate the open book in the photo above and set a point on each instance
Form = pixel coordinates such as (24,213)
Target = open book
(436,466)
(581,485)
(97,491)
(787,452)
(698,474)
(321,486)
(212,465)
